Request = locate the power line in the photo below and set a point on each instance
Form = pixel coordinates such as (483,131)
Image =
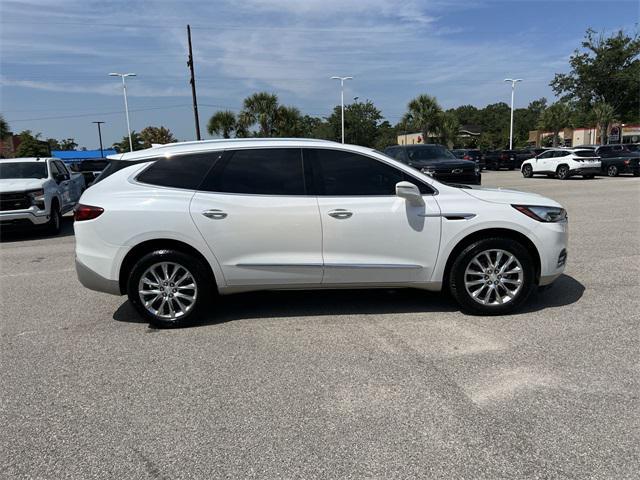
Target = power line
(95,113)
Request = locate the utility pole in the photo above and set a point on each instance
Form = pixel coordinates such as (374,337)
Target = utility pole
(193,85)
(126,105)
(100,137)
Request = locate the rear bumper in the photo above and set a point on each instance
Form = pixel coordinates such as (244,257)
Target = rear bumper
(95,281)
(585,171)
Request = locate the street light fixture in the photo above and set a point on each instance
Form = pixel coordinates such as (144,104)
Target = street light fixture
(126,105)
(513,89)
(342,79)
(100,137)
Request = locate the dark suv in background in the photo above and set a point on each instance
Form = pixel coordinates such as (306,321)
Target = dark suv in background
(472,154)
(438,162)
(616,159)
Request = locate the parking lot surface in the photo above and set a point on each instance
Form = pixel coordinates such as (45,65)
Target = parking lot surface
(349,384)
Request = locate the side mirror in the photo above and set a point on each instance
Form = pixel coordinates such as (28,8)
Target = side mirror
(409,192)
(58,177)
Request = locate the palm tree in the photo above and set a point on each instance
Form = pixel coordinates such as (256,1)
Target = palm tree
(222,123)
(260,108)
(448,128)
(555,118)
(604,115)
(423,113)
(289,122)
(4,128)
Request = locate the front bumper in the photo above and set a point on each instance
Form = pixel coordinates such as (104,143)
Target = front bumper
(95,281)
(32,215)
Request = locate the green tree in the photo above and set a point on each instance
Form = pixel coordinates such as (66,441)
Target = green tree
(386,136)
(423,113)
(448,129)
(54,144)
(68,144)
(222,123)
(4,128)
(31,145)
(289,122)
(604,115)
(262,109)
(156,135)
(123,145)
(604,70)
(555,118)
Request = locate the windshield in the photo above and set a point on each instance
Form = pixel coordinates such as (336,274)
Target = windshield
(23,170)
(430,153)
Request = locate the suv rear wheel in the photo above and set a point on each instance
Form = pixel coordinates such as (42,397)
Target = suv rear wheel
(612,171)
(169,288)
(562,172)
(492,276)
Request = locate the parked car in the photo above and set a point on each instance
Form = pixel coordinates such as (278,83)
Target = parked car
(90,169)
(185,221)
(499,159)
(520,155)
(438,162)
(563,163)
(474,155)
(616,159)
(37,192)
(633,147)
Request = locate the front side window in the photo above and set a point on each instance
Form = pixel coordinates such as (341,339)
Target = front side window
(548,154)
(265,171)
(342,173)
(180,171)
(23,169)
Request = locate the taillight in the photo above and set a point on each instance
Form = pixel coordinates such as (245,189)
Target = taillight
(503,156)
(466,157)
(86,212)
(626,162)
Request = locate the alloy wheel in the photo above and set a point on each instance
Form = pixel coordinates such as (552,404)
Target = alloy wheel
(612,171)
(493,277)
(168,290)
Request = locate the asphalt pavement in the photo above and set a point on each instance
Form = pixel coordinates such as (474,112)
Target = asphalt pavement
(349,384)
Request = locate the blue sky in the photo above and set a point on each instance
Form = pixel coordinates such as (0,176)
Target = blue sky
(55,56)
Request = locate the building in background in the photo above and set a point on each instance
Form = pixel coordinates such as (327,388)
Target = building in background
(572,137)
(465,135)
(9,145)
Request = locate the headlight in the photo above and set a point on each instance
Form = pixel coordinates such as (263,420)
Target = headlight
(543,214)
(37,198)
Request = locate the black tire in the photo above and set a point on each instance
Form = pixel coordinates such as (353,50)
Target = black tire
(562,172)
(612,171)
(54,224)
(458,272)
(636,174)
(588,177)
(202,279)
(527,171)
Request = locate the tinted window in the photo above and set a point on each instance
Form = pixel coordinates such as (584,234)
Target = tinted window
(585,153)
(268,171)
(62,168)
(23,169)
(114,165)
(434,152)
(340,173)
(181,171)
(559,154)
(547,154)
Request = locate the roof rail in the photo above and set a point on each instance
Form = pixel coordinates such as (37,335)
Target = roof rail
(239,140)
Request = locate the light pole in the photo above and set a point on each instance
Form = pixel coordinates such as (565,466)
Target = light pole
(100,137)
(342,79)
(513,89)
(126,105)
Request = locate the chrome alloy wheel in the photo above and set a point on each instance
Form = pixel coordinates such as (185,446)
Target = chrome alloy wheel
(168,290)
(493,277)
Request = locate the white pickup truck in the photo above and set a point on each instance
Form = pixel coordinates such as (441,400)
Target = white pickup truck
(37,192)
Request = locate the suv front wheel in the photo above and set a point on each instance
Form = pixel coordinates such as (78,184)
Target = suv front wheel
(169,288)
(492,277)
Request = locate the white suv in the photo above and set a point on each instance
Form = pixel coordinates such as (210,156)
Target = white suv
(172,226)
(563,163)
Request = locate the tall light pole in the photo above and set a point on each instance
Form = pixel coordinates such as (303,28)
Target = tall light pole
(513,89)
(342,79)
(126,105)
(100,137)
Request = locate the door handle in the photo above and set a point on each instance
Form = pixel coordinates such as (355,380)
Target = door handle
(340,213)
(214,214)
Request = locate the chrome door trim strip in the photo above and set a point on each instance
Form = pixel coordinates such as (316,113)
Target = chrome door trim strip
(278,265)
(373,265)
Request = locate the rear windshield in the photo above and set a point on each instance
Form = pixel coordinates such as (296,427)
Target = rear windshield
(585,153)
(23,170)
(115,165)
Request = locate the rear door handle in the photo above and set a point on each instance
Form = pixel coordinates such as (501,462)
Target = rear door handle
(340,213)
(215,214)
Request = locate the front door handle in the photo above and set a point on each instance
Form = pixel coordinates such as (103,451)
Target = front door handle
(214,214)
(340,213)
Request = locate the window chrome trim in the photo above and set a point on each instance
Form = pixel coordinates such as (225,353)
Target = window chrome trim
(331,265)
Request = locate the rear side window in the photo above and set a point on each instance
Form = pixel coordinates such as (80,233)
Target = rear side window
(115,165)
(181,171)
(342,173)
(585,153)
(265,171)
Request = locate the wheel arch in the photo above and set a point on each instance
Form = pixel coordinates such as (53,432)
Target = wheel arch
(489,233)
(157,244)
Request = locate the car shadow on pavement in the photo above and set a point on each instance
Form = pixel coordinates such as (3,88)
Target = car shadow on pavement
(27,234)
(276,304)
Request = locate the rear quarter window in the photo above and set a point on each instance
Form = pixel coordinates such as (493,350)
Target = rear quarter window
(180,171)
